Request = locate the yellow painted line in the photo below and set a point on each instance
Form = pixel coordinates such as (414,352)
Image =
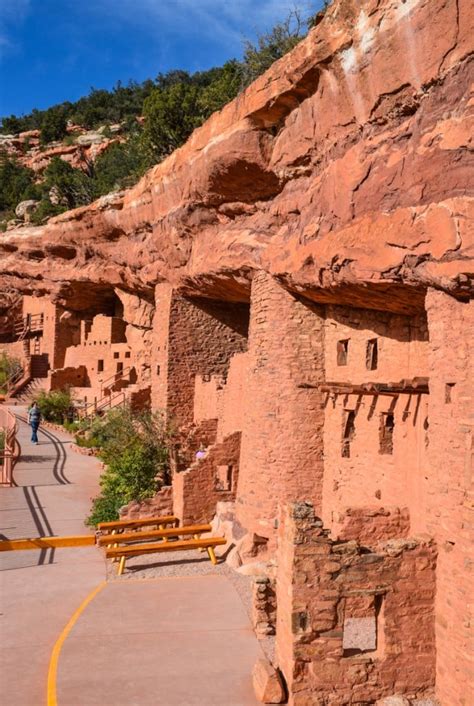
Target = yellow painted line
(80,540)
(53,663)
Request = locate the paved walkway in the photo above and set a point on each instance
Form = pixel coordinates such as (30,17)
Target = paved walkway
(169,641)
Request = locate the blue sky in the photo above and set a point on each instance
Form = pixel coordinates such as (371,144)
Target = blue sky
(55,50)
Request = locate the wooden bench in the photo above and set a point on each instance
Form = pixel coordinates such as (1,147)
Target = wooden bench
(129,550)
(121,525)
(164,534)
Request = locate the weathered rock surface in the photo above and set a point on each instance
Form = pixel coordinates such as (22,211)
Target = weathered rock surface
(267,683)
(344,171)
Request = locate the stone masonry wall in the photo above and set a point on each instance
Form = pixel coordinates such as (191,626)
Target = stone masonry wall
(207,481)
(450,492)
(353,626)
(282,446)
(195,337)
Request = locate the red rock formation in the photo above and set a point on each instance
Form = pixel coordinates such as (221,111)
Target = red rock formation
(344,166)
(334,197)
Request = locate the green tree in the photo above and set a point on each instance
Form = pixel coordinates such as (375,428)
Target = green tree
(271,46)
(53,125)
(16,183)
(121,165)
(171,114)
(223,88)
(73,186)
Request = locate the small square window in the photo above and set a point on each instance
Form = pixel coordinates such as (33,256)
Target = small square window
(371,357)
(116,354)
(127,354)
(342,351)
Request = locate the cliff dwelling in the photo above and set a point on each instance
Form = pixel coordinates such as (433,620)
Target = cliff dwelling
(314,334)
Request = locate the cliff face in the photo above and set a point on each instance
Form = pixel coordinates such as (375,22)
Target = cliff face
(343,171)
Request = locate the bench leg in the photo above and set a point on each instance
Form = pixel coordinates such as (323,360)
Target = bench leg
(212,556)
(121,566)
(198,536)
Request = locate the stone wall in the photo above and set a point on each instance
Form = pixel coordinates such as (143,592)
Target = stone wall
(194,337)
(450,488)
(207,481)
(282,440)
(353,625)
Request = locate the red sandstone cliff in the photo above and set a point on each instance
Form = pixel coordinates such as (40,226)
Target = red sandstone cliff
(344,170)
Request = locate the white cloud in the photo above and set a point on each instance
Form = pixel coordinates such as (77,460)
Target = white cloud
(221,21)
(12,13)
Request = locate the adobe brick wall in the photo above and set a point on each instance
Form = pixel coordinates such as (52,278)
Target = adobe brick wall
(450,489)
(402,343)
(371,524)
(207,481)
(194,337)
(364,472)
(68,377)
(159,505)
(282,437)
(353,626)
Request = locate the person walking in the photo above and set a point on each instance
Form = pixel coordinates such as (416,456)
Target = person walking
(34,419)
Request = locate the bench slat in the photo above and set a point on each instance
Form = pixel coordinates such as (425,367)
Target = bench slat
(154,534)
(143,522)
(137,549)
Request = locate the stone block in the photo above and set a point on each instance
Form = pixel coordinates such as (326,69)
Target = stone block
(267,683)
(359,634)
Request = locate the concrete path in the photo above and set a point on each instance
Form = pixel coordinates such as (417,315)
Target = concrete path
(162,642)
(39,590)
(168,642)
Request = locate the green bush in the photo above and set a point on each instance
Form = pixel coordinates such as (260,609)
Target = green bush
(55,406)
(8,366)
(134,448)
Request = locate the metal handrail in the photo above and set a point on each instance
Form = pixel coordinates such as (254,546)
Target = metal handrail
(103,403)
(9,426)
(116,377)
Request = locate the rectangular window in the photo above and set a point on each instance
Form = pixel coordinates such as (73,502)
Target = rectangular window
(116,354)
(127,354)
(348,432)
(387,425)
(223,480)
(100,366)
(448,392)
(119,367)
(363,625)
(342,351)
(157,369)
(371,357)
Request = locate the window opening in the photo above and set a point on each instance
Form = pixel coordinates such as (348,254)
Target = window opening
(348,432)
(448,392)
(100,366)
(342,351)
(387,425)
(371,358)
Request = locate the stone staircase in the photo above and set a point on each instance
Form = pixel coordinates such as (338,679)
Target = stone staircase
(30,390)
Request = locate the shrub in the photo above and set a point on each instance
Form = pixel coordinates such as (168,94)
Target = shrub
(55,406)
(8,367)
(135,451)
